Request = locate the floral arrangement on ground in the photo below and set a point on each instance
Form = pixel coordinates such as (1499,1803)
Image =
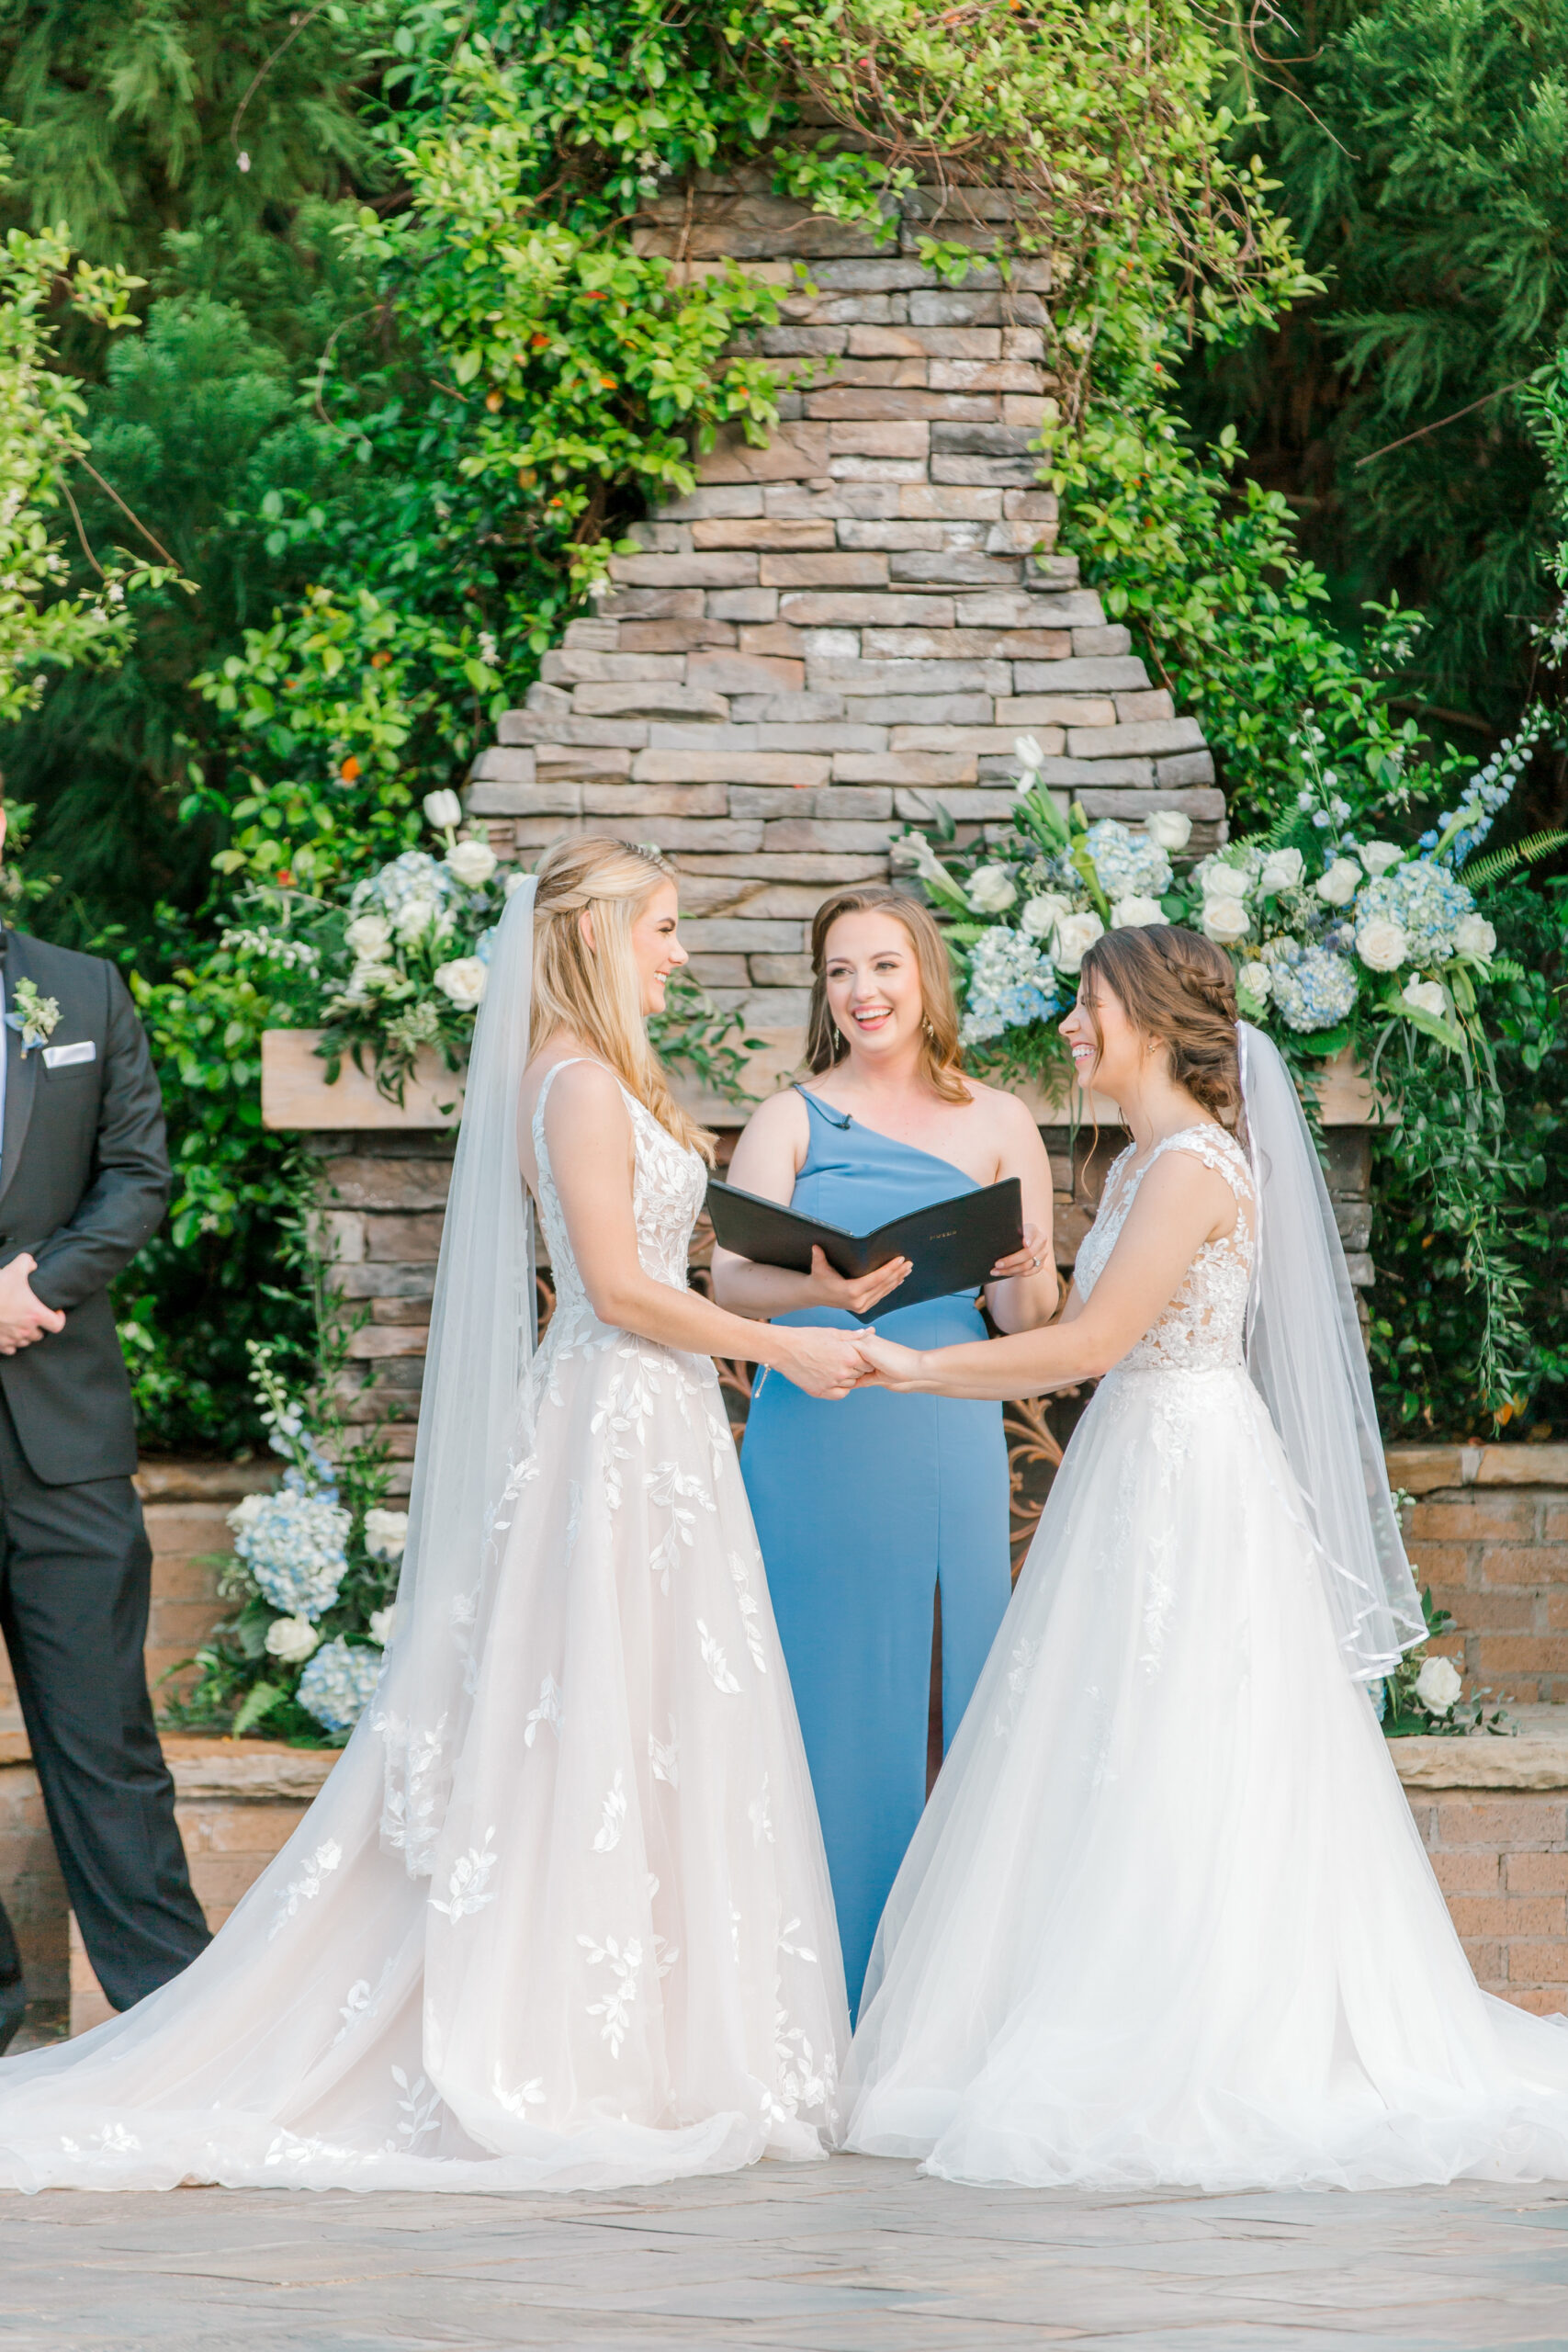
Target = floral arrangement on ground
(314,1574)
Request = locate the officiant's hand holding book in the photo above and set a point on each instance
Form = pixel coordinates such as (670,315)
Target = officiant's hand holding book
(948,1247)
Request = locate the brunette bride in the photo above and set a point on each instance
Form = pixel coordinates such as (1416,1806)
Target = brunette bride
(1168,1918)
(560,1917)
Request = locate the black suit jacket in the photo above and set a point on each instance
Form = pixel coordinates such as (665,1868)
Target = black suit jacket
(83,1179)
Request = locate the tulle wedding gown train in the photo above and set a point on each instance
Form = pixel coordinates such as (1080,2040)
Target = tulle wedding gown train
(623,1965)
(1168,1918)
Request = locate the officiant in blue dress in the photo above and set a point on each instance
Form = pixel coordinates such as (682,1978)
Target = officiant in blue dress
(883,1520)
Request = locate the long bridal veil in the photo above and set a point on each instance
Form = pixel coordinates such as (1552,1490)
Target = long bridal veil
(482,1328)
(1306,1358)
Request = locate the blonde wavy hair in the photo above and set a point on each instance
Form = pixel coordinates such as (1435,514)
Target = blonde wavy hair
(940,1064)
(593,991)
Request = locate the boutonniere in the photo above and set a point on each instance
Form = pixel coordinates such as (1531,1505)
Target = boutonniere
(36,1016)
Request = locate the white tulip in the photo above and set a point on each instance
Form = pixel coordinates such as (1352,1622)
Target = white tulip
(1427,996)
(386,1533)
(370,937)
(1169,828)
(1225,882)
(1474,935)
(1381,945)
(1074,935)
(1043,913)
(463,980)
(1341,882)
(382,1626)
(1281,871)
(1438,1685)
(1134,912)
(1256,981)
(291,1639)
(991,891)
(1378,857)
(1028,753)
(473,862)
(442,809)
(1226,921)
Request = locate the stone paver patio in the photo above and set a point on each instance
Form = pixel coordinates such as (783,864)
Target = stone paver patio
(855,2255)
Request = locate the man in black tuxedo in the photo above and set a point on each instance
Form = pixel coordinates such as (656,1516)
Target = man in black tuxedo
(83,1177)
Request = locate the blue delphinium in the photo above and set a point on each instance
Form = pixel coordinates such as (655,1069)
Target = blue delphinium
(1316,988)
(1012,983)
(337,1685)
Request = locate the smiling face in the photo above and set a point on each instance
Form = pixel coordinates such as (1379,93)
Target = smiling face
(655,949)
(873,980)
(1116,1057)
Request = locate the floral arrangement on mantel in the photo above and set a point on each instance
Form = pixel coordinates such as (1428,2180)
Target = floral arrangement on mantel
(1339,939)
(400,964)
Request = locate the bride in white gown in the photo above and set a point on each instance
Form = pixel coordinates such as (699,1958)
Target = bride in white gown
(560,1917)
(1168,1918)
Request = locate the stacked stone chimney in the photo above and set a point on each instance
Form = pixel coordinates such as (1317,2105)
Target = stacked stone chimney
(835,631)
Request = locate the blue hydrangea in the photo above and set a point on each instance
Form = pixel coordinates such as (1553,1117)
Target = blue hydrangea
(413,878)
(1316,988)
(294,1544)
(1129,865)
(1012,983)
(1426,901)
(339,1682)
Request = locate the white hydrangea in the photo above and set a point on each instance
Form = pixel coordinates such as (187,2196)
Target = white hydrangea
(339,1683)
(1130,864)
(1012,983)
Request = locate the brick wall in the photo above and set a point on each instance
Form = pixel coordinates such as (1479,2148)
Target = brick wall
(1502,1860)
(1489,1532)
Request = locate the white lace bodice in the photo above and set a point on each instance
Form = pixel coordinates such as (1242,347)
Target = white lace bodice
(667,1197)
(1205,1326)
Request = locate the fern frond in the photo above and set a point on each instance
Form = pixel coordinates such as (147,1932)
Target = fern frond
(1498,862)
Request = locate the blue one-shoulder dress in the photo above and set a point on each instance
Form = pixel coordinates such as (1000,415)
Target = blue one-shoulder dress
(862,1509)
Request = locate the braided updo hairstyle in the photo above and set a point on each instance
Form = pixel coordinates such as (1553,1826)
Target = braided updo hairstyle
(1179,989)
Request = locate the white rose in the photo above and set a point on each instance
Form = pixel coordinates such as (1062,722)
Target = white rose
(473,862)
(370,938)
(1379,856)
(1256,981)
(1427,996)
(1043,913)
(1134,912)
(1028,754)
(244,1511)
(1381,945)
(291,1639)
(1169,828)
(1438,1685)
(463,979)
(366,981)
(1225,882)
(991,891)
(1281,871)
(515,880)
(1074,935)
(386,1533)
(1474,935)
(1341,882)
(382,1626)
(442,809)
(1226,921)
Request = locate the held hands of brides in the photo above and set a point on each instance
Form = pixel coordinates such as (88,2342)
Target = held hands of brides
(890,1366)
(823,1362)
(857,1294)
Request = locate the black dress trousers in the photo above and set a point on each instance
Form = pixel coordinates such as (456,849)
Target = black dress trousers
(75,1571)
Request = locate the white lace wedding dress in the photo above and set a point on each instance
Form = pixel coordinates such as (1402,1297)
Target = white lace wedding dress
(624,1966)
(1168,1918)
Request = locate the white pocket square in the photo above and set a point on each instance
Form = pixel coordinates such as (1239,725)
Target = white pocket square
(63,1057)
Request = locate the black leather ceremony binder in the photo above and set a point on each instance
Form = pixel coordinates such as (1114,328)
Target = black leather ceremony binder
(952,1246)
